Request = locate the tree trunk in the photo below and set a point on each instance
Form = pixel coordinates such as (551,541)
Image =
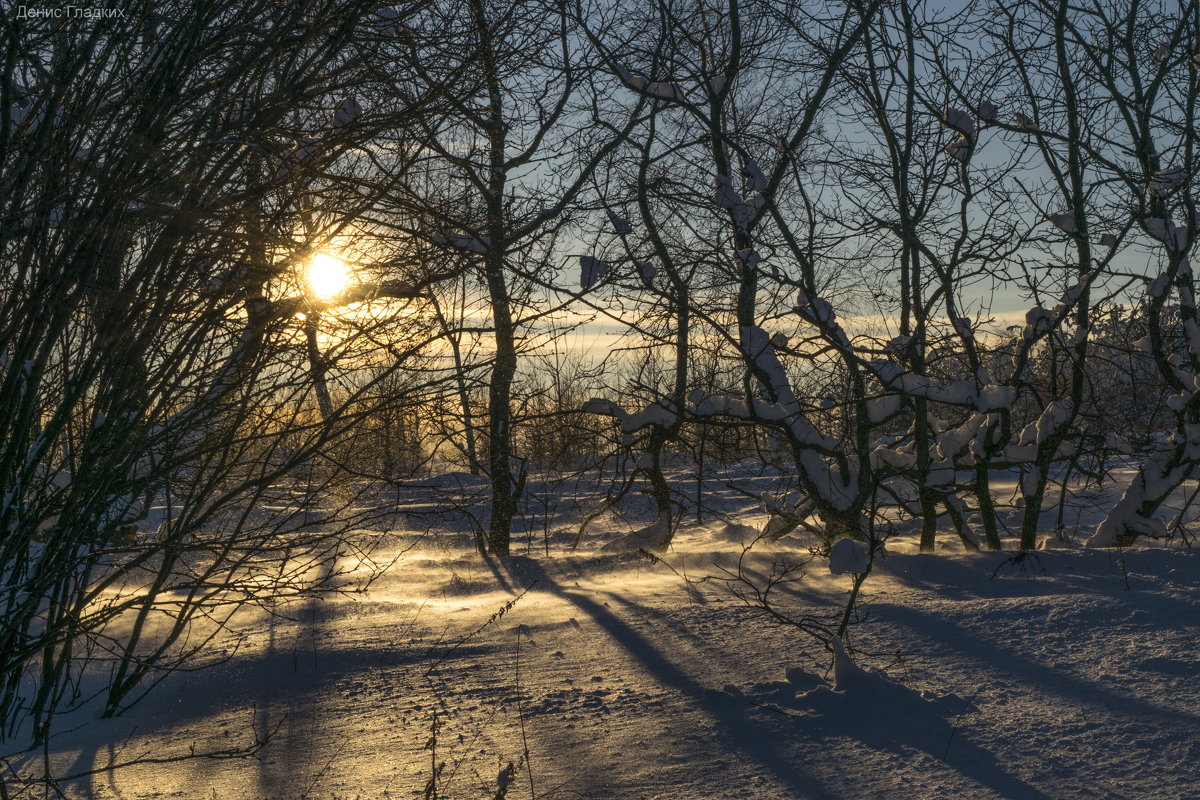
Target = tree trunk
(1033,507)
(504,488)
(987,510)
(316,364)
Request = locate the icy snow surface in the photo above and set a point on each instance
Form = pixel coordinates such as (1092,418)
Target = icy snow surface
(1069,674)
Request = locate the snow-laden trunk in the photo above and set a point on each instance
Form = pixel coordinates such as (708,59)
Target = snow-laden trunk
(1046,437)
(1164,470)
(1132,516)
(663,420)
(830,473)
(660,490)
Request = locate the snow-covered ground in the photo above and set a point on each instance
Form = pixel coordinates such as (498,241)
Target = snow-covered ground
(1069,674)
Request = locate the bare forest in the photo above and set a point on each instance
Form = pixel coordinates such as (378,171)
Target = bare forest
(323,322)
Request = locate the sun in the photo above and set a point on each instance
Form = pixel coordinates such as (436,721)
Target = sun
(326,276)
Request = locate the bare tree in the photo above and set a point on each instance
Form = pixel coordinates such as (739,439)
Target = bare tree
(517,144)
(166,177)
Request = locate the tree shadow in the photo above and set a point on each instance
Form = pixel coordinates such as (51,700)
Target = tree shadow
(890,717)
(1079,689)
(768,745)
(744,736)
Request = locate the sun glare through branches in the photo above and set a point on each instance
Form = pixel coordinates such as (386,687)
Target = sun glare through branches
(689,399)
(326,276)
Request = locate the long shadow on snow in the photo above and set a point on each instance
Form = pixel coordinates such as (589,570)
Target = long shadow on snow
(203,702)
(287,751)
(1039,574)
(1030,672)
(744,735)
(887,716)
(748,735)
(303,742)
(283,680)
(294,757)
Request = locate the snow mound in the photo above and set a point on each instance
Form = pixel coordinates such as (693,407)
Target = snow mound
(737,532)
(850,677)
(1053,542)
(653,537)
(848,557)
(448,480)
